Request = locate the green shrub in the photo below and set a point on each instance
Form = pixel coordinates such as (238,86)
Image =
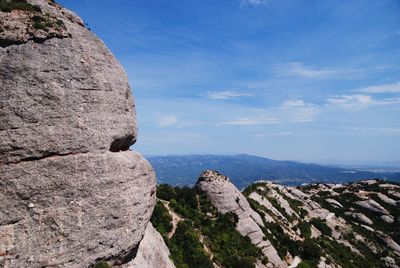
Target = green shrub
(166,192)
(101,264)
(311,250)
(306,264)
(321,226)
(186,249)
(8,6)
(230,248)
(304,228)
(161,219)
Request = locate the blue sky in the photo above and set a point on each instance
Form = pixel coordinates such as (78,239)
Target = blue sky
(304,80)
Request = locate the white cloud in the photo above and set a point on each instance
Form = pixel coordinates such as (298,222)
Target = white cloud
(359,101)
(166,120)
(297,110)
(262,120)
(350,101)
(226,95)
(300,70)
(385,88)
(255,2)
(293,103)
(292,110)
(388,130)
(273,134)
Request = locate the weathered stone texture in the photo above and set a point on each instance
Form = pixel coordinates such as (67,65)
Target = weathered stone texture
(152,252)
(227,198)
(71,191)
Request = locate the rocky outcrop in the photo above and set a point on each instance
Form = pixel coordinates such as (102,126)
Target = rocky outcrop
(373,206)
(359,216)
(22,21)
(227,198)
(71,191)
(152,252)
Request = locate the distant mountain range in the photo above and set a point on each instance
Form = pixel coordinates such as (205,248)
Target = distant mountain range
(180,170)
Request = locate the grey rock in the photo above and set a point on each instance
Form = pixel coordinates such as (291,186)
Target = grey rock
(74,209)
(373,206)
(20,26)
(361,217)
(152,252)
(227,198)
(390,262)
(71,191)
(63,96)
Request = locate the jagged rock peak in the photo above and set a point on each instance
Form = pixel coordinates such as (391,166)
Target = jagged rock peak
(227,198)
(71,191)
(209,175)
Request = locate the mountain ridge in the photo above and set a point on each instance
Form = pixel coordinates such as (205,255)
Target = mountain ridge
(244,169)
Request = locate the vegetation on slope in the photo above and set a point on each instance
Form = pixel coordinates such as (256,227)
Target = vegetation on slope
(333,250)
(10,5)
(205,235)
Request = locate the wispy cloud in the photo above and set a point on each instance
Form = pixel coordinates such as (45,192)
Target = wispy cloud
(166,120)
(273,134)
(292,110)
(247,121)
(359,101)
(254,2)
(385,88)
(226,95)
(299,111)
(300,70)
(388,130)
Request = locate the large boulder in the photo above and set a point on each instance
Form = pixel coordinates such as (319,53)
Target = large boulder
(71,191)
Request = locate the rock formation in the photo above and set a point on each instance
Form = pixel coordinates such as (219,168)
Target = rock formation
(152,252)
(227,198)
(335,212)
(71,191)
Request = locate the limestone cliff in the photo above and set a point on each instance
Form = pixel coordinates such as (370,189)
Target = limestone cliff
(227,198)
(71,191)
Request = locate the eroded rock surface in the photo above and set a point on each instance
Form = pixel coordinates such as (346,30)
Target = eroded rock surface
(71,191)
(152,252)
(227,198)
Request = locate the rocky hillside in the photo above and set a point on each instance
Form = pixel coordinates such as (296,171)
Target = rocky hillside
(72,193)
(270,225)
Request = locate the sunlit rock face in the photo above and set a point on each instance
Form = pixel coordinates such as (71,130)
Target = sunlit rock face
(152,252)
(71,191)
(227,198)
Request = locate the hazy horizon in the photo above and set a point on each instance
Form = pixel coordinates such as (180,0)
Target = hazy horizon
(309,81)
(333,162)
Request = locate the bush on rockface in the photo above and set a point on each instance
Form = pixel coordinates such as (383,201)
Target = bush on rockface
(101,264)
(8,6)
(321,226)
